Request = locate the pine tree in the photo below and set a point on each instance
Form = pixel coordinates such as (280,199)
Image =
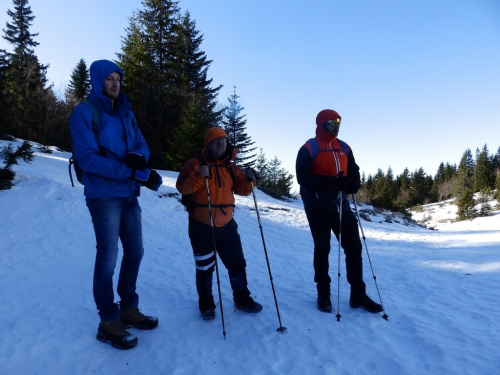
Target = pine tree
(147,60)
(234,125)
(5,120)
(166,78)
(10,158)
(466,206)
(497,189)
(403,192)
(419,188)
(24,77)
(273,180)
(439,180)
(279,180)
(483,171)
(261,167)
(450,171)
(195,98)
(384,191)
(189,137)
(464,179)
(79,84)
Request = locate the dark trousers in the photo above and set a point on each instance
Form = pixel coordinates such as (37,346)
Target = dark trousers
(228,246)
(322,222)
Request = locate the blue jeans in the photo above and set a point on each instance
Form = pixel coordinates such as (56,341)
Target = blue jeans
(115,218)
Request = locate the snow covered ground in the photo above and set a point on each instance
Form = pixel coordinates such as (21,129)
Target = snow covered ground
(439,288)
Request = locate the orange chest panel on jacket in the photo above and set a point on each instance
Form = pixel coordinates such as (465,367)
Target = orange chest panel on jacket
(330,160)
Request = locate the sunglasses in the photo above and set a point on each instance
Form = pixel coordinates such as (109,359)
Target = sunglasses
(335,122)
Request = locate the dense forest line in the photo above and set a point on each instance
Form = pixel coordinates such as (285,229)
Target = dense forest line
(472,175)
(175,102)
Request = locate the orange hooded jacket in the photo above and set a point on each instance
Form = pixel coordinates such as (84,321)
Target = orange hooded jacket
(220,184)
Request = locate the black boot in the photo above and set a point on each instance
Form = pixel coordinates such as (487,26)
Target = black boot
(207,306)
(244,302)
(365,302)
(324,302)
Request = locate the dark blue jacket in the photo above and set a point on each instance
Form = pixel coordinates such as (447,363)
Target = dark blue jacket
(102,160)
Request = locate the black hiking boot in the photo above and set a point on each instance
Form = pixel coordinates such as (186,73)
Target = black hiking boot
(207,306)
(116,334)
(365,302)
(324,303)
(208,314)
(248,305)
(132,317)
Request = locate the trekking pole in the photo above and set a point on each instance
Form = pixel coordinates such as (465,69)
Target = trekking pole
(215,257)
(338,264)
(385,316)
(281,328)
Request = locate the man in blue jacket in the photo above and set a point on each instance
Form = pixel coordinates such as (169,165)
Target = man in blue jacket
(113,160)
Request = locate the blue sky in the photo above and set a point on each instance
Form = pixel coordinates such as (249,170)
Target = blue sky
(416,82)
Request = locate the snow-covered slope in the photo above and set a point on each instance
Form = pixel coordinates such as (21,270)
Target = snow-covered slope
(439,288)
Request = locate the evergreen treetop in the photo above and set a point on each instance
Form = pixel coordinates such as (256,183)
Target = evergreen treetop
(235,126)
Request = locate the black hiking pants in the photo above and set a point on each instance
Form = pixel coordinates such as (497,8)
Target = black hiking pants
(230,251)
(322,222)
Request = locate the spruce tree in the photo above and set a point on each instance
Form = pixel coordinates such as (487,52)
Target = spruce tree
(188,137)
(464,179)
(483,171)
(439,180)
(195,98)
(403,184)
(24,77)
(166,78)
(147,60)
(419,188)
(5,120)
(466,205)
(273,180)
(79,84)
(279,180)
(450,171)
(234,125)
(261,167)
(497,189)
(10,158)
(385,189)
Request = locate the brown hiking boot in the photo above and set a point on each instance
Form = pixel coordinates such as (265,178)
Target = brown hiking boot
(116,334)
(132,317)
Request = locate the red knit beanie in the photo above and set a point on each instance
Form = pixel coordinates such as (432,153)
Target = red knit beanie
(326,115)
(214,133)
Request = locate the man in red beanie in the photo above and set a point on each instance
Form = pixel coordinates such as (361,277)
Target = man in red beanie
(225,178)
(327,172)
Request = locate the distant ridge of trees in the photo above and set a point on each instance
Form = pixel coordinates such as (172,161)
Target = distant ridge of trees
(472,175)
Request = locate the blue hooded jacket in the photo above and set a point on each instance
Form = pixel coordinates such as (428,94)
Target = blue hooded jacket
(102,160)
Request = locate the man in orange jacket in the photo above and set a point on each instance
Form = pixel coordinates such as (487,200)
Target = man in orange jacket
(225,178)
(327,172)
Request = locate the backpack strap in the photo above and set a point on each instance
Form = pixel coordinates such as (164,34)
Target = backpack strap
(344,146)
(95,116)
(313,144)
(95,128)
(314,147)
(190,204)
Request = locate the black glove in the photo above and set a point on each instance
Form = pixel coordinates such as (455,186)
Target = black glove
(348,185)
(135,161)
(256,175)
(148,178)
